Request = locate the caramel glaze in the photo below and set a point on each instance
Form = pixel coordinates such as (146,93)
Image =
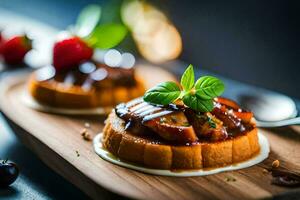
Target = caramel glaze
(90,74)
(137,113)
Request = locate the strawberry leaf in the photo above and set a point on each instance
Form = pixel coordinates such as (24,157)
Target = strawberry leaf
(107,36)
(87,20)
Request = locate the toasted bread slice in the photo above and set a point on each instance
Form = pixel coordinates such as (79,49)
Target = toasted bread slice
(162,155)
(43,91)
(54,93)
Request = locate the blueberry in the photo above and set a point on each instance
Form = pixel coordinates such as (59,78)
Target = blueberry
(8,173)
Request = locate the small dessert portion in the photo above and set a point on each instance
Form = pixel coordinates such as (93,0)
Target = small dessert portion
(77,81)
(186,127)
(90,85)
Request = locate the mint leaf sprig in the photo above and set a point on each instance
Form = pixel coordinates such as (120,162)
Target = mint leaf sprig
(102,36)
(87,20)
(198,96)
(106,36)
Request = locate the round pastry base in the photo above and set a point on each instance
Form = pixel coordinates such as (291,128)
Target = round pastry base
(28,101)
(263,154)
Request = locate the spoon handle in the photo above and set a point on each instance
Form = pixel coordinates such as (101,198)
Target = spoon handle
(287,122)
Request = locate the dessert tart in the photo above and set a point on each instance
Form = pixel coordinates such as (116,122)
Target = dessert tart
(83,75)
(176,134)
(176,137)
(87,75)
(88,86)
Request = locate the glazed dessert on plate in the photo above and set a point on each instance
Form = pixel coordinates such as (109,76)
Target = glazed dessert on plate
(182,127)
(77,81)
(89,85)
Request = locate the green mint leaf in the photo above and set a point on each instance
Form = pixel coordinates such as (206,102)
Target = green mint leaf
(188,78)
(87,20)
(211,123)
(107,36)
(198,96)
(198,104)
(163,93)
(208,87)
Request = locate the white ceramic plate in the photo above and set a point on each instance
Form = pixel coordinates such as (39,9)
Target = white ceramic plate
(264,153)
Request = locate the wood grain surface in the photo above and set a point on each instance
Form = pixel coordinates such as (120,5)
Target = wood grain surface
(56,139)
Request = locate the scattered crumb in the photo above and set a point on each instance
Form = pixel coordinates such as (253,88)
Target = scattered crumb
(275,163)
(83,131)
(77,153)
(265,171)
(87,125)
(85,135)
(230,179)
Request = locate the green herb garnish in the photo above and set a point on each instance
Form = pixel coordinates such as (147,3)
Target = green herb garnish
(211,123)
(106,36)
(198,96)
(103,35)
(163,93)
(185,124)
(87,20)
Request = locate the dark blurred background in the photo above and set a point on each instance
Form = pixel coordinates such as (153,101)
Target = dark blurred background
(251,41)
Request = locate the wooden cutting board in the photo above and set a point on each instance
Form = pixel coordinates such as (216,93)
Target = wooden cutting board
(56,139)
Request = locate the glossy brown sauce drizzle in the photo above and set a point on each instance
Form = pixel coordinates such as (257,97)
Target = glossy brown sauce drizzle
(136,112)
(140,110)
(89,74)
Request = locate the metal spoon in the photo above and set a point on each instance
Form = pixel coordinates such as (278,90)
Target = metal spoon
(271,109)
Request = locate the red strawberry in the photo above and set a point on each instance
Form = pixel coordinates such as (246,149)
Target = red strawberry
(70,53)
(14,49)
(1,41)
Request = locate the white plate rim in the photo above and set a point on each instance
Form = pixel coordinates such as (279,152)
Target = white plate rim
(263,154)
